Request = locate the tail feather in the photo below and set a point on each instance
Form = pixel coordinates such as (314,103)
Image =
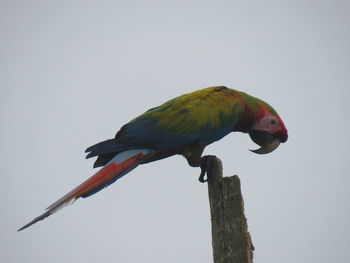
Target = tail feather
(121,164)
(103,159)
(102,145)
(108,147)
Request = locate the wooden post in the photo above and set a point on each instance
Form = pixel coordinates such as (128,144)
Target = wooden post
(230,237)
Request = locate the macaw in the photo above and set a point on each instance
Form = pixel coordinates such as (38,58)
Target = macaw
(184,125)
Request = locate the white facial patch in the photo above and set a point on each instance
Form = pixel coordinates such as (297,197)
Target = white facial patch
(268,123)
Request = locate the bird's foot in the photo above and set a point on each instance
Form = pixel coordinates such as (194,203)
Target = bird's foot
(205,164)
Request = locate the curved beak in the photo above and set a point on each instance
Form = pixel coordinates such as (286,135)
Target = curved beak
(267,141)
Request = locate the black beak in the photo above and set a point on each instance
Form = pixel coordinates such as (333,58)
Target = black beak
(267,141)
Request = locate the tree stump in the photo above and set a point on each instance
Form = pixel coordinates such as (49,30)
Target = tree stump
(230,237)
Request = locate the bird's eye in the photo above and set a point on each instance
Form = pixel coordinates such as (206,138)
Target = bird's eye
(273,121)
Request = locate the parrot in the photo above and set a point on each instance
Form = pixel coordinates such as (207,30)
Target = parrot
(183,126)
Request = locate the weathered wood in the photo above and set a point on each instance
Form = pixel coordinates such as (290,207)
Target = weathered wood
(230,237)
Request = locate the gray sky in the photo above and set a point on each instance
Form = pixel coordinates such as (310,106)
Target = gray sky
(73,72)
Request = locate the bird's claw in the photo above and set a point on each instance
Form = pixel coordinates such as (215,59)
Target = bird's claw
(205,164)
(201,176)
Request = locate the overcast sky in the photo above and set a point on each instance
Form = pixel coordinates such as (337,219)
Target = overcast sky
(73,72)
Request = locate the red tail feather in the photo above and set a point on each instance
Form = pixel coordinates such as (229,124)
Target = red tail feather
(120,165)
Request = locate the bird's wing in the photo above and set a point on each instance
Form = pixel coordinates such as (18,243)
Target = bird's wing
(204,116)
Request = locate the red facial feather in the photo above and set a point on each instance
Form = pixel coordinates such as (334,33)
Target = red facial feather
(272,123)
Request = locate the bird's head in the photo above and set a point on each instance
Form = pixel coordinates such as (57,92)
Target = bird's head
(268,132)
(263,124)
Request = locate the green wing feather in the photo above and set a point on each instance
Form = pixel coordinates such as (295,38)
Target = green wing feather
(205,116)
